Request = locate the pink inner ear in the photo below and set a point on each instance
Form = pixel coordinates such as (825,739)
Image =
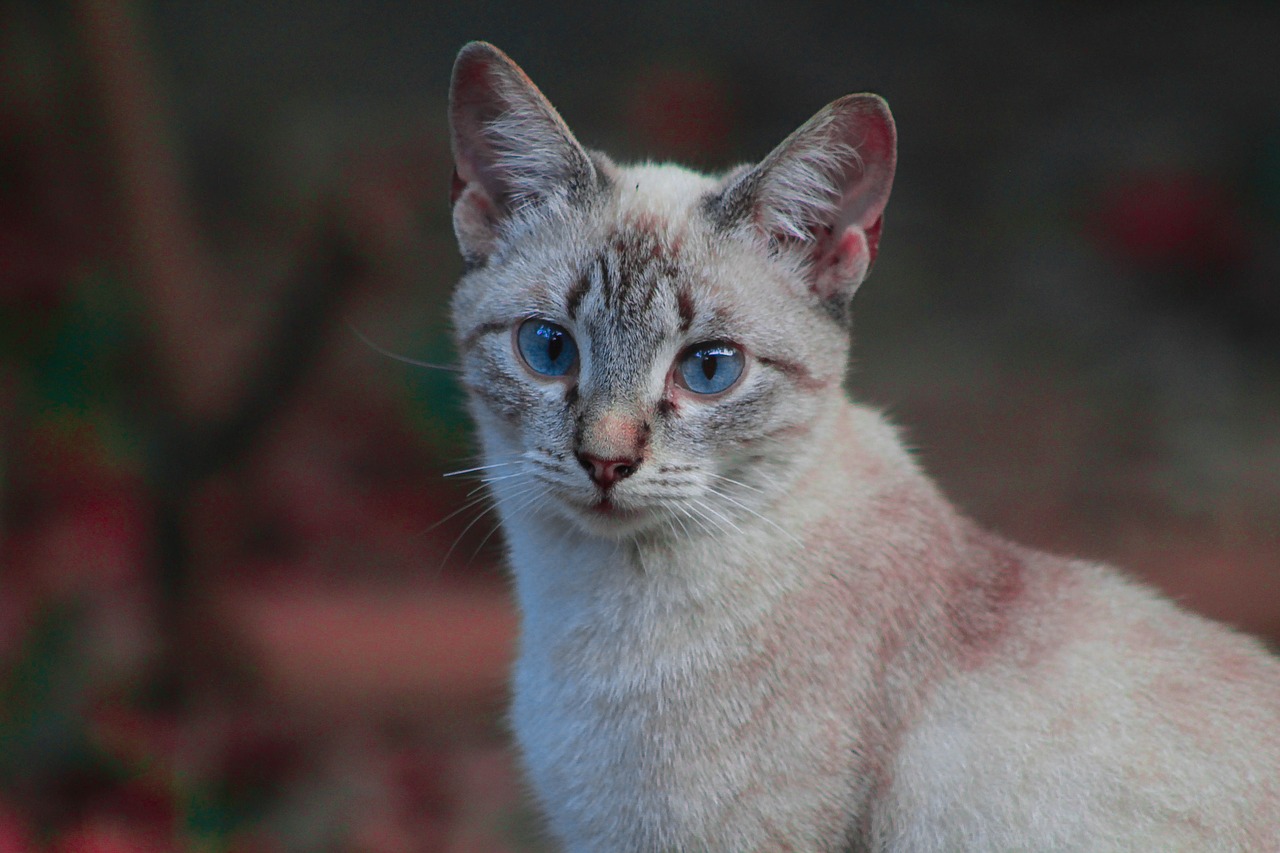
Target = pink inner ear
(877,144)
(475,100)
(873,239)
(471,73)
(842,262)
(475,221)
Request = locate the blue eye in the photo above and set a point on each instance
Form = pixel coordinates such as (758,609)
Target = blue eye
(546,348)
(711,367)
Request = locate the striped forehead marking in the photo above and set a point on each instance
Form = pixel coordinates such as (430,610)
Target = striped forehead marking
(634,264)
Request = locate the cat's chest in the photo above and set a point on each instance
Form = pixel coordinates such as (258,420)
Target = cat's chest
(684,729)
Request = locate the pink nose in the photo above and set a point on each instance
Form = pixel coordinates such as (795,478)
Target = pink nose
(605,472)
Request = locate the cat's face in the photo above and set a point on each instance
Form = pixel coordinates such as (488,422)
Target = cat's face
(637,367)
(642,355)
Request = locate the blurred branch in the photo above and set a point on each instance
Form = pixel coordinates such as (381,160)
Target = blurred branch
(288,345)
(192,450)
(160,231)
(210,402)
(8,408)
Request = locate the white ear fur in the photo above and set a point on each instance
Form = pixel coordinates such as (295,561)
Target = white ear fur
(823,191)
(511,149)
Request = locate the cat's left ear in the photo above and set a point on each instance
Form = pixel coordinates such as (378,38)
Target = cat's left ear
(822,193)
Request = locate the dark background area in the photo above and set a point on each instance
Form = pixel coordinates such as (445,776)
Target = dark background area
(241,609)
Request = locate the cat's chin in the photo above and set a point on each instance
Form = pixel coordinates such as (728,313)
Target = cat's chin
(607,520)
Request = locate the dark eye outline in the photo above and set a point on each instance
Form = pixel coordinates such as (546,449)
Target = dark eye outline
(724,348)
(523,338)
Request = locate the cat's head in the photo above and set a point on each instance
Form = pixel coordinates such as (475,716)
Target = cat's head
(647,348)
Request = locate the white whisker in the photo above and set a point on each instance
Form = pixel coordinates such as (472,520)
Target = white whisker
(677,518)
(465,506)
(704,521)
(761,516)
(403,359)
(481,468)
(487,480)
(531,497)
(737,482)
(727,520)
(492,506)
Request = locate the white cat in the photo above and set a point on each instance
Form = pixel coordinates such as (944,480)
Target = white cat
(749,622)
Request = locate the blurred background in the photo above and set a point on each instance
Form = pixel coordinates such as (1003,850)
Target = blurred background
(241,609)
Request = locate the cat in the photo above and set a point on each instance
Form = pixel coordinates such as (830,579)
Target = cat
(748,620)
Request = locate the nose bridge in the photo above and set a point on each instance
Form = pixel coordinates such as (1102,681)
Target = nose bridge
(614,435)
(613,419)
(612,428)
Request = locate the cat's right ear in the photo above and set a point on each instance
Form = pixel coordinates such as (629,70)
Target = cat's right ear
(511,149)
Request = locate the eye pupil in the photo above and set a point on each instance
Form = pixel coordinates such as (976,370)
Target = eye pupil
(554,346)
(709,364)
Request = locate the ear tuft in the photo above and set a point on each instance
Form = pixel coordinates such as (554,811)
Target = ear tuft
(511,149)
(822,193)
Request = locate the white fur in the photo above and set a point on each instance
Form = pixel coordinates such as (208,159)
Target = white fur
(634,718)
(789,640)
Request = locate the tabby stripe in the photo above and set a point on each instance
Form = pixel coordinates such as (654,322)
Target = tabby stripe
(574,297)
(628,272)
(788,431)
(648,296)
(684,305)
(480,331)
(796,372)
(608,280)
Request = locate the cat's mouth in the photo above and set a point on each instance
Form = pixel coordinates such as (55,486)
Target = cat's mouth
(607,508)
(603,516)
